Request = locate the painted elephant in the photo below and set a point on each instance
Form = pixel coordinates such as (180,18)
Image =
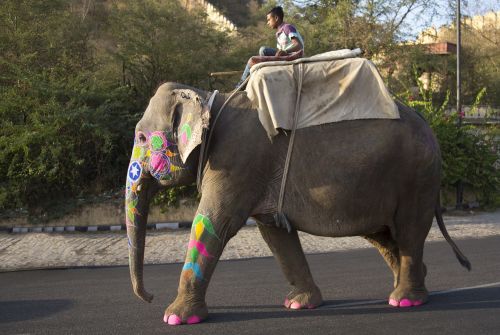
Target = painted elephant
(378,179)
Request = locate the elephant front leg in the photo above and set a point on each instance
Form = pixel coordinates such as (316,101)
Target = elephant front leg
(209,235)
(287,250)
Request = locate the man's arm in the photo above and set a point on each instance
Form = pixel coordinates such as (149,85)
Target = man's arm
(296,46)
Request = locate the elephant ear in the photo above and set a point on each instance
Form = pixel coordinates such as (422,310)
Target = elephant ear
(194,117)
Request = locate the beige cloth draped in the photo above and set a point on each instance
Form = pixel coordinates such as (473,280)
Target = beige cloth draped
(332,91)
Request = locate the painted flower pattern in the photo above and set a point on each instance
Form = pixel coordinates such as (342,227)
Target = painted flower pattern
(202,235)
(152,155)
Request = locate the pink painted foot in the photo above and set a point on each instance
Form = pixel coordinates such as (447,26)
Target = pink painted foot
(172,320)
(405,303)
(393,302)
(296,305)
(193,319)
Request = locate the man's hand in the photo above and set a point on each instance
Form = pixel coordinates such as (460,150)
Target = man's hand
(295,47)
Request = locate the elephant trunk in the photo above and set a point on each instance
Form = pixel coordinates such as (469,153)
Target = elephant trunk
(136,208)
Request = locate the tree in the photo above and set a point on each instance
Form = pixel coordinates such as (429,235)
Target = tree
(161,41)
(375,26)
(56,119)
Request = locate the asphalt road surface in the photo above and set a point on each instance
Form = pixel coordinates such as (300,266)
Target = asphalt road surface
(245,297)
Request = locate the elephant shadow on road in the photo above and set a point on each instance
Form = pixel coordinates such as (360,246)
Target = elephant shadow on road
(23,310)
(481,298)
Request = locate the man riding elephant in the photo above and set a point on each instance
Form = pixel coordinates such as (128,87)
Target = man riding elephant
(289,43)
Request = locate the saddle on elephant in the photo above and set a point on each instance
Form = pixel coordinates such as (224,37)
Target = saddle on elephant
(330,87)
(287,58)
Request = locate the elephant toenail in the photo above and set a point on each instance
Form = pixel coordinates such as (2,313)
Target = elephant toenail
(295,305)
(287,303)
(417,302)
(405,303)
(393,302)
(174,320)
(193,319)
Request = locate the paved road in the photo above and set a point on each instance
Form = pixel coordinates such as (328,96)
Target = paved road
(245,298)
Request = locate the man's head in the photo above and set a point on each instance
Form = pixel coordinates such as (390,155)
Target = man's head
(275,17)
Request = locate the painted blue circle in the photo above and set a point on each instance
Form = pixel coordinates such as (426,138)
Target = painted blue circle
(134,171)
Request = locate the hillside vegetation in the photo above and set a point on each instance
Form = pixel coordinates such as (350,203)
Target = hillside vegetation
(76,76)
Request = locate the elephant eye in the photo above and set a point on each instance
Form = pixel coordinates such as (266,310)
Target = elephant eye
(141,138)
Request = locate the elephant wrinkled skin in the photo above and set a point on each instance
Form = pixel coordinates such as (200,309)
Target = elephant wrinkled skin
(374,178)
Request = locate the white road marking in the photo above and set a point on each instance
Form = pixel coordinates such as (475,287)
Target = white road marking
(374,302)
(465,288)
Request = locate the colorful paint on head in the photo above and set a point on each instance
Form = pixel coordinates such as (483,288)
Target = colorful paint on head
(185,134)
(158,141)
(202,235)
(159,165)
(134,171)
(150,152)
(174,168)
(136,152)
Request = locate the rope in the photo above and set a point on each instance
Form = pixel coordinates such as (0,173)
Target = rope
(203,145)
(207,135)
(280,217)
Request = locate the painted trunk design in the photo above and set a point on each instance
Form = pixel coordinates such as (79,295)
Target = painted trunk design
(152,155)
(202,237)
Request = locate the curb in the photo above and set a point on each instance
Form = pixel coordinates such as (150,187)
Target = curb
(85,229)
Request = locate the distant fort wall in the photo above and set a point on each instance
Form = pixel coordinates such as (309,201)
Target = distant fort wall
(220,20)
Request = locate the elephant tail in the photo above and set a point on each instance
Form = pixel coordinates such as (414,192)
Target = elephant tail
(460,256)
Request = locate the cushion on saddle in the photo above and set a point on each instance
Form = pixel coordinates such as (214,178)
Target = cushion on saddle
(287,58)
(333,90)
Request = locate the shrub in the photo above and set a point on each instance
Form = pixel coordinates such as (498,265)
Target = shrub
(468,152)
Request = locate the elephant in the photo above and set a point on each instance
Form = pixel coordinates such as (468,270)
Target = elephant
(375,178)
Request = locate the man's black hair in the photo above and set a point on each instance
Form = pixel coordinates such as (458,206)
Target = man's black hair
(277,11)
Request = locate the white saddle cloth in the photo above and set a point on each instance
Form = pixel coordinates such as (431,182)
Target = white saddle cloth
(333,90)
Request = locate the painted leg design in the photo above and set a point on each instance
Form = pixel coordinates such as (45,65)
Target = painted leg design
(288,252)
(204,249)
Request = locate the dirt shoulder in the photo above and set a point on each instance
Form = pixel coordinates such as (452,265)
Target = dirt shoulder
(54,250)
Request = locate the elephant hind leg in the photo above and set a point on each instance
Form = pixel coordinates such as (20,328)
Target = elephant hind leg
(389,250)
(287,250)
(410,290)
(412,226)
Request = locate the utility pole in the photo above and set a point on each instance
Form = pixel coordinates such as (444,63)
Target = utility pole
(459,82)
(460,186)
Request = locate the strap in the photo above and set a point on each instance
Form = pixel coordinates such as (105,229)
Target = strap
(207,137)
(203,141)
(280,217)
